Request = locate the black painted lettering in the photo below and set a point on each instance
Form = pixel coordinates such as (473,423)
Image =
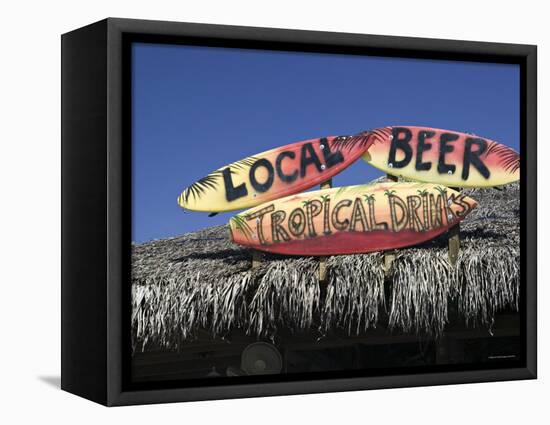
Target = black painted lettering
(373,224)
(278,232)
(308,157)
(232,192)
(436,211)
(473,157)
(421,147)
(425,209)
(401,138)
(444,149)
(259,217)
(313,209)
(338,224)
(358,216)
(413,203)
(261,187)
(326,215)
(398,224)
(465,203)
(297,222)
(331,158)
(460,201)
(287,178)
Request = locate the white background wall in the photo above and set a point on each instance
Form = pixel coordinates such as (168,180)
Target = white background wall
(30,210)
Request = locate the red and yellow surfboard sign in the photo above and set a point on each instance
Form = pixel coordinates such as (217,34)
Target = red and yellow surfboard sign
(350,220)
(273,174)
(443,157)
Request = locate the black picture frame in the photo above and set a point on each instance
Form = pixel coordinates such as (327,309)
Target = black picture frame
(96,203)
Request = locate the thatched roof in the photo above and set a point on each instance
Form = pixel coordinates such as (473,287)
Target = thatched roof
(202,281)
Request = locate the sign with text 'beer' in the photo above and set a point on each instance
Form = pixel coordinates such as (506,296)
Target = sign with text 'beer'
(443,157)
(352,219)
(273,174)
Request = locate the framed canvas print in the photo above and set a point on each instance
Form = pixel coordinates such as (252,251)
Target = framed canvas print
(251,212)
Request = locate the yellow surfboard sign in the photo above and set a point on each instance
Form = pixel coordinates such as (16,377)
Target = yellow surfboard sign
(273,174)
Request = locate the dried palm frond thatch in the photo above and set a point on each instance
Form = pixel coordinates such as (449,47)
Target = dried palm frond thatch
(202,281)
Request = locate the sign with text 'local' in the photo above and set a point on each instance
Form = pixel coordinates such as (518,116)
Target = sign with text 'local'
(273,174)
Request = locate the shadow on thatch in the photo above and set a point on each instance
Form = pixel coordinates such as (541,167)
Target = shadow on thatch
(202,281)
(227,255)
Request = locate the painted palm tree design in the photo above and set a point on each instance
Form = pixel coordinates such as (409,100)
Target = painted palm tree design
(242,226)
(341,190)
(212,180)
(442,190)
(200,187)
(508,157)
(244,163)
(307,203)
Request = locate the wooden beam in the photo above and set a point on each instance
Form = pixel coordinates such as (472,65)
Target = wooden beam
(323,260)
(389,256)
(454,243)
(453,236)
(256,259)
(326,184)
(323,269)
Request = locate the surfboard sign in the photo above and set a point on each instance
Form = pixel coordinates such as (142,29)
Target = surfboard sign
(273,174)
(352,219)
(442,157)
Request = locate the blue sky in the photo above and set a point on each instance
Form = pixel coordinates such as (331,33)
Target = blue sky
(195,109)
